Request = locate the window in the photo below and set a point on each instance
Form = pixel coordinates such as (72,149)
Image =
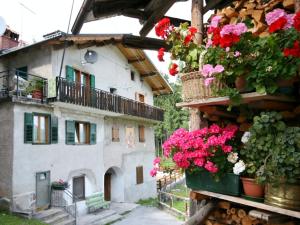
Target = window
(79,188)
(140,97)
(80,77)
(115,134)
(132,75)
(139,175)
(78,132)
(40,128)
(141,133)
(82,133)
(22,72)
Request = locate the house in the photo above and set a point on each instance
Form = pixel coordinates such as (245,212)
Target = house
(88,121)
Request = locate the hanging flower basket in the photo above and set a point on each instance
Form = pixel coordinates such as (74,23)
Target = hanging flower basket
(59,185)
(228,184)
(193,86)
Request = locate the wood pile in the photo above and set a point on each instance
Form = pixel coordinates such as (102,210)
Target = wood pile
(254,10)
(226,214)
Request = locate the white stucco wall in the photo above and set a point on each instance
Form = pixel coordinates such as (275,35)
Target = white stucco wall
(64,161)
(111,70)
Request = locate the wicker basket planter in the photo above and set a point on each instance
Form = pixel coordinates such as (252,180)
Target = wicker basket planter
(193,86)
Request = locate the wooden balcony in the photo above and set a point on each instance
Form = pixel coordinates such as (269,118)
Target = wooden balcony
(74,93)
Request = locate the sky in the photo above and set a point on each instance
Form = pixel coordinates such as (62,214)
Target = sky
(34,18)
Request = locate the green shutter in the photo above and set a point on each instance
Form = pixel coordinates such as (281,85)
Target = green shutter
(92,81)
(28,127)
(54,129)
(69,73)
(93,134)
(70,132)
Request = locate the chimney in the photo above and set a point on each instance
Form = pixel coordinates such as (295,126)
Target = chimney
(9,39)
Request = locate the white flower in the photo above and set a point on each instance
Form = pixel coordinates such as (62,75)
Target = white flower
(269,69)
(239,167)
(232,157)
(246,137)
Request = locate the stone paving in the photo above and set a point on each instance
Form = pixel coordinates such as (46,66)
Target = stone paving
(148,216)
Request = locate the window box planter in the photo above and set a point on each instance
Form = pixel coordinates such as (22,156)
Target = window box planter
(228,184)
(59,186)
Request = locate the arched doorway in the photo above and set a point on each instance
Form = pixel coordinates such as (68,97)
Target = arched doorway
(114,185)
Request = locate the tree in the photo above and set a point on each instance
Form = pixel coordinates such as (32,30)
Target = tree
(174,117)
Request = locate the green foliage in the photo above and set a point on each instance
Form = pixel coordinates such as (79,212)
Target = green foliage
(167,165)
(174,117)
(7,219)
(272,152)
(151,202)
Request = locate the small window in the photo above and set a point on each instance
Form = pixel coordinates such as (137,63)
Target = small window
(139,175)
(79,188)
(22,72)
(113,90)
(115,134)
(141,98)
(41,134)
(82,133)
(132,75)
(141,133)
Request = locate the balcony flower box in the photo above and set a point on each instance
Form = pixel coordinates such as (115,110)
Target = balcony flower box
(228,184)
(59,185)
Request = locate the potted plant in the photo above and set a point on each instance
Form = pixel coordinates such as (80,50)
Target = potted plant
(281,170)
(208,157)
(35,88)
(59,185)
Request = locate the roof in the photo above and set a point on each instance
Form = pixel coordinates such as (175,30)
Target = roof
(134,55)
(148,12)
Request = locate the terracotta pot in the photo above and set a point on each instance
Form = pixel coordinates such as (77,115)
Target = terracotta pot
(251,188)
(241,83)
(288,83)
(37,94)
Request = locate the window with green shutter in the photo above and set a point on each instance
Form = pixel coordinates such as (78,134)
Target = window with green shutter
(70,132)
(54,130)
(92,81)
(93,134)
(70,74)
(28,127)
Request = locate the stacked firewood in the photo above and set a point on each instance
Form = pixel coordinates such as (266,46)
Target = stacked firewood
(254,10)
(234,214)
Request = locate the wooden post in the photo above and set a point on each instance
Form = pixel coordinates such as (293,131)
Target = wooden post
(201,215)
(297,5)
(197,19)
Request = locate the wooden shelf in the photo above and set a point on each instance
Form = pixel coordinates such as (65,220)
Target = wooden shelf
(246,99)
(258,205)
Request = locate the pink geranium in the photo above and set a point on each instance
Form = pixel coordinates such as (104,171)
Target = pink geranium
(279,19)
(153,172)
(211,167)
(208,71)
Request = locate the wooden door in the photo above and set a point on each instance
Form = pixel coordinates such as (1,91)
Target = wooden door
(107,187)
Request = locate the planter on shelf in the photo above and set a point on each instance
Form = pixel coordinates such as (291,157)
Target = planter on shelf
(241,84)
(228,184)
(283,195)
(251,188)
(193,86)
(37,94)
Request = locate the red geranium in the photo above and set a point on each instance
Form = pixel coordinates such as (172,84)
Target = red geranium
(277,25)
(228,40)
(297,21)
(193,30)
(216,35)
(173,69)
(160,55)
(162,27)
(187,39)
(295,51)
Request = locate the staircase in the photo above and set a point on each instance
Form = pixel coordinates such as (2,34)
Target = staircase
(55,216)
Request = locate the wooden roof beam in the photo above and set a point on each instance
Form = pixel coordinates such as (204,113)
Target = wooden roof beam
(157,9)
(148,74)
(135,60)
(134,13)
(132,41)
(158,89)
(177,21)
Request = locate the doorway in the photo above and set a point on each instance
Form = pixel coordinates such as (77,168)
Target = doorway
(114,185)
(43,190)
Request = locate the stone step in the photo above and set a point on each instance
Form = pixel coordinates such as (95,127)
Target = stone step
(70,221)
(108,220)
(58,218)
(90,219)
(47,214)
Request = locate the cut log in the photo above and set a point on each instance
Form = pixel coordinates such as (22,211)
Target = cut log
(224,205)
(288,4)
(230,12)
(236,219)
(208,222)
(233,211)
(257,15)
(241,213)
(228,212)
(202,214)
(246,221)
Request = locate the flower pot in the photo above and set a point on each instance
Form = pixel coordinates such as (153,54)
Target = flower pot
(251,188)
(193,86)
(37,94)
(241,83)
(283,195)
(228,184)
(288,82)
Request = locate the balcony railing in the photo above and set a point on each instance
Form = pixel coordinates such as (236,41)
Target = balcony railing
(22,85)
(75,93)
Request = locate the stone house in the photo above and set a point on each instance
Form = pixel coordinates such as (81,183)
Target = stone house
(87,123)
